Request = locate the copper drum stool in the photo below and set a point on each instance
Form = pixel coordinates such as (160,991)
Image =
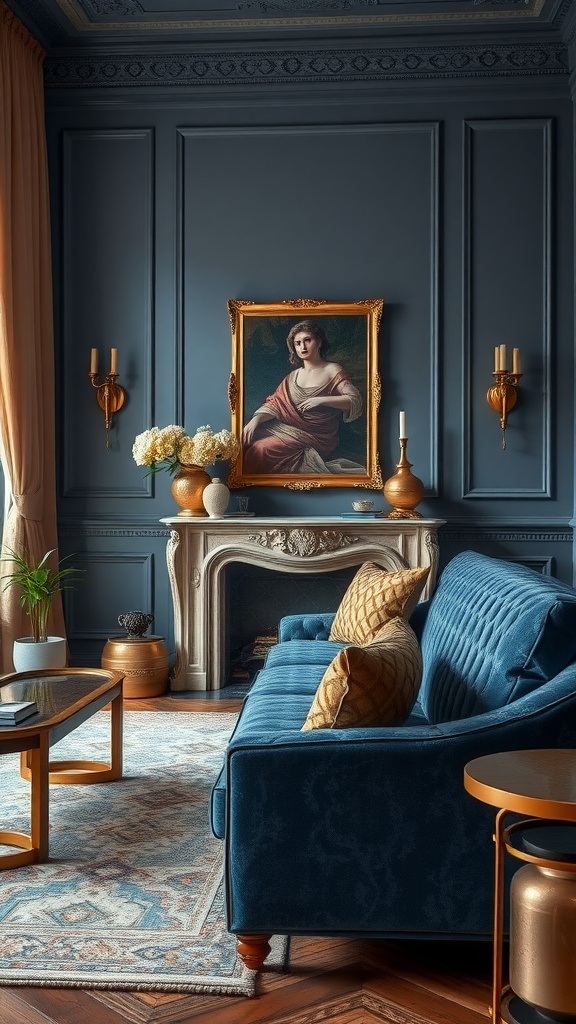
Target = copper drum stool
(142,659)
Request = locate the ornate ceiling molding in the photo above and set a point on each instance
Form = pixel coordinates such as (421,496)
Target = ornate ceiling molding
(280,67)
(114,16)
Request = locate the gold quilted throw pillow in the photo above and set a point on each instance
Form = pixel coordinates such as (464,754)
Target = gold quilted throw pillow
(372,685)
(373,598)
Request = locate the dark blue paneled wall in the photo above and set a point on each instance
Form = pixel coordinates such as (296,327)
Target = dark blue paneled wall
(451,200)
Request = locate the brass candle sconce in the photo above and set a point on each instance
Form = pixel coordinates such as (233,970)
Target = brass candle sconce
(109,395)
(502,395)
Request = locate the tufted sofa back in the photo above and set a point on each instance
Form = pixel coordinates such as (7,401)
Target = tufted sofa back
(494,631)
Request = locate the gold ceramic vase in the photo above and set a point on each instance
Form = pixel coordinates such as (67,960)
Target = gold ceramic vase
(187,486)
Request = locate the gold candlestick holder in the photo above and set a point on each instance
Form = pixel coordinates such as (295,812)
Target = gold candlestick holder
(110,397)
(403,491)
(502,395)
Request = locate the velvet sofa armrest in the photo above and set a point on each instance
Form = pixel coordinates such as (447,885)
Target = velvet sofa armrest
(313,626)
(371,830)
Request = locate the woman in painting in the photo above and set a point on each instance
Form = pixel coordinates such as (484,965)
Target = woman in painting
(296,429)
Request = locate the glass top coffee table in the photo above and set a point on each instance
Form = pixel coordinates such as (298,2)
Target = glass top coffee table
(65,698)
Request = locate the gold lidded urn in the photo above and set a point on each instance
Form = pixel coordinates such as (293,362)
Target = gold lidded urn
(187,486)
(403,491)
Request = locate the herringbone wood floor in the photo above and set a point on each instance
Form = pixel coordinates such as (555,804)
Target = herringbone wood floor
(344,981)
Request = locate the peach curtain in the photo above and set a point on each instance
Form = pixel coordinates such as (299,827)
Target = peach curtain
(26,324)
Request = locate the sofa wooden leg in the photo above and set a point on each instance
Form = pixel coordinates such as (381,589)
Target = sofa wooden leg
(253,950)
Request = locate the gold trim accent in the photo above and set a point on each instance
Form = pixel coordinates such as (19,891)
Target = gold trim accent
(303,485)
(377,387)
(232,392)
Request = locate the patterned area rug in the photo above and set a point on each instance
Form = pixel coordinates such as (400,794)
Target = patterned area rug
(132,895)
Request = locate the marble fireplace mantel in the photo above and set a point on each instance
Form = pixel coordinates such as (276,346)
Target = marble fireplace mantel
(199,549)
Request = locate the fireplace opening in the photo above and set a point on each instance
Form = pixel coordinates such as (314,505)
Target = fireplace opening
(257,598)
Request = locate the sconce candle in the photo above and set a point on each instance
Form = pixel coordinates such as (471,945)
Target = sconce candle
(109,395)
(516,360)
(402,422)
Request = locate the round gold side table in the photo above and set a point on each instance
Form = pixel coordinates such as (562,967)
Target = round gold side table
(540,783)
(142,660)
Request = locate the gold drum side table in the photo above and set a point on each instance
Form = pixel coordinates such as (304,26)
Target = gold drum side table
(143,662)
(541,783)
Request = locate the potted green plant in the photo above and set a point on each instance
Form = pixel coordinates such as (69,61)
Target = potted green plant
(38,583)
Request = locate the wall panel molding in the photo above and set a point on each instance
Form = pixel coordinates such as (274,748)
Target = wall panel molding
(136,571)
(502,535)
(540,563)
(475,305)
(431,130)
(107,225)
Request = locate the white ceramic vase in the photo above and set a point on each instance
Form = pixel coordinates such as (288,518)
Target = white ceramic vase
(215,498)
(29,656)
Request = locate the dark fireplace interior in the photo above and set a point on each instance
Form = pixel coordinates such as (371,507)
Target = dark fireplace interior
(258,598)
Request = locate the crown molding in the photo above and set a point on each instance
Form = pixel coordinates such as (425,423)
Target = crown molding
(392,63)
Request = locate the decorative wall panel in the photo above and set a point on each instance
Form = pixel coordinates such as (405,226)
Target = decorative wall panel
(107,267)
(112,583)
(507,300)
(348,212)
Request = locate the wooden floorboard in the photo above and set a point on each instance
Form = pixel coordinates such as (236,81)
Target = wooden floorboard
(329,981)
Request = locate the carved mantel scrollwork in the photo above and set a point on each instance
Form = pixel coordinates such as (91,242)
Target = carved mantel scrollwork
(303,542)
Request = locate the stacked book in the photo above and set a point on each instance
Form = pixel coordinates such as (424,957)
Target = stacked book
(13,712)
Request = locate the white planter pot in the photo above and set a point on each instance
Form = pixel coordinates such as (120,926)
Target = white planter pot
(29,656)
(215,498)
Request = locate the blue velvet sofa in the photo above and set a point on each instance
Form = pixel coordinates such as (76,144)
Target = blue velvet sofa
(369,831)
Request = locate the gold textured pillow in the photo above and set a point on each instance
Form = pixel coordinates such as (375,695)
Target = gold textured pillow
(373,598)
(372,685)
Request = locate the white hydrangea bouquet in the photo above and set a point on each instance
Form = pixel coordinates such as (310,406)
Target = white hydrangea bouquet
(171,447)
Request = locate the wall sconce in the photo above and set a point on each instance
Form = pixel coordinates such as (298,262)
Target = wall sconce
(503,394)
(109,395)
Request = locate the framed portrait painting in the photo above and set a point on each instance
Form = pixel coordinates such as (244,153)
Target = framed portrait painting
(304,393)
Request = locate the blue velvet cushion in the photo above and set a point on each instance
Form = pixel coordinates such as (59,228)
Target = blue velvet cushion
(305,627)
(303,652)
(494,632)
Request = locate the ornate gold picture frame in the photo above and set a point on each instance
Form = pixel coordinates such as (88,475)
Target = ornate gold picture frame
(304,393)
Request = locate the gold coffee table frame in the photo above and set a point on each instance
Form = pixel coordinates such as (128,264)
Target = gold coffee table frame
(66,698)
(540,783)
